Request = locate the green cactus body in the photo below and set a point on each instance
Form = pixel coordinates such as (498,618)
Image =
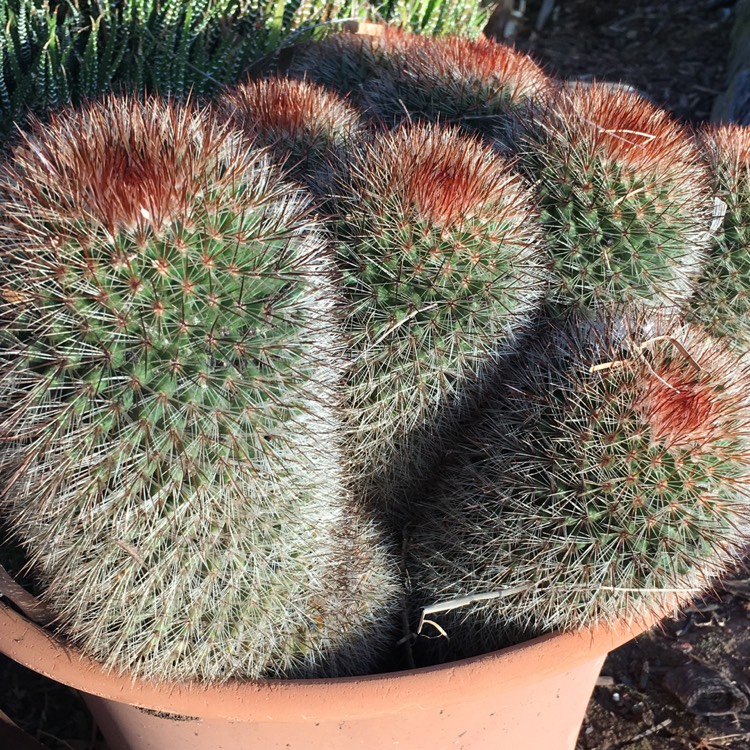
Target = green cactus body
(722,301)
(308,129)
(606,478)
(167,391)
(625,200)
(442,266)
(475,83)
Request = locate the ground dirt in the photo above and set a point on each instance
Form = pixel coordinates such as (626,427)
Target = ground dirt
(675,52)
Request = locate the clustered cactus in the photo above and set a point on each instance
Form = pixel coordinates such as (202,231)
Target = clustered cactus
(168,400)
(414,329)
(307,128)
(477,84)
(441,267)
(722,303)
(624,195)
(607,475)
(474,83)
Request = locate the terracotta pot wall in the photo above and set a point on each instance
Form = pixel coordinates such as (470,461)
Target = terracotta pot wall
(529,697)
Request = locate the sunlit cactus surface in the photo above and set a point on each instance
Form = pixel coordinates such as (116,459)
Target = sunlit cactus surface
(625,198)
(168,364)
(722,300)
(442,265)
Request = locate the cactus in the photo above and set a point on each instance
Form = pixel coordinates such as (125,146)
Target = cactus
(345,62)
(169,415)
(606,478)
(722,301)
(478,84)
(625,200)
(307,128)
(442,265)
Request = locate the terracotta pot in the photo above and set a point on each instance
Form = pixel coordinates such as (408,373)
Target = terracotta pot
(533,696)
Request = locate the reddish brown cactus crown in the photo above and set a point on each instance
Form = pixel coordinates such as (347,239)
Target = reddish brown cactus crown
(121,165)
(444,175)
(484,60)
(286,108)
(680,411)
(732,140)
(727,149)
(683,403)
(625,128)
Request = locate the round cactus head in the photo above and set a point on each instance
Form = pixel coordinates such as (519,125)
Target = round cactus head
(625,199)
(167,406)
(442,266)
(608,477)
(475,83)
(306,127)
(722,300)
(345,62)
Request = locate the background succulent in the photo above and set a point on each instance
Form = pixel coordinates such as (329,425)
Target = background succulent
(168,364)
(436,18)
(626,202)
(442,266)
(722,300)
(606,477)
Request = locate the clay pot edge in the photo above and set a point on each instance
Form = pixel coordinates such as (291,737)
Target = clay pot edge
(339,699)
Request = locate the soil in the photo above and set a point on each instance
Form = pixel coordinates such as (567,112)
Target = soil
(685,686)
(674,51)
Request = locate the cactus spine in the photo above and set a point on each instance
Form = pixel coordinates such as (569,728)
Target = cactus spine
(475,83)
(722,301)
(167,400)
(625,201)
(442,266)
(308,129)
(607,477)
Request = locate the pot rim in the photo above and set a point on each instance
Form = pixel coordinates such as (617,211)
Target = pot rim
(338,699)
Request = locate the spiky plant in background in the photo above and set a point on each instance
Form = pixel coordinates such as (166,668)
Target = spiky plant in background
(608,477)
(168,364)
(626,202)
(722,300)
(442,266)
(52,53)
(478,84)
(466,17)
(308,129)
